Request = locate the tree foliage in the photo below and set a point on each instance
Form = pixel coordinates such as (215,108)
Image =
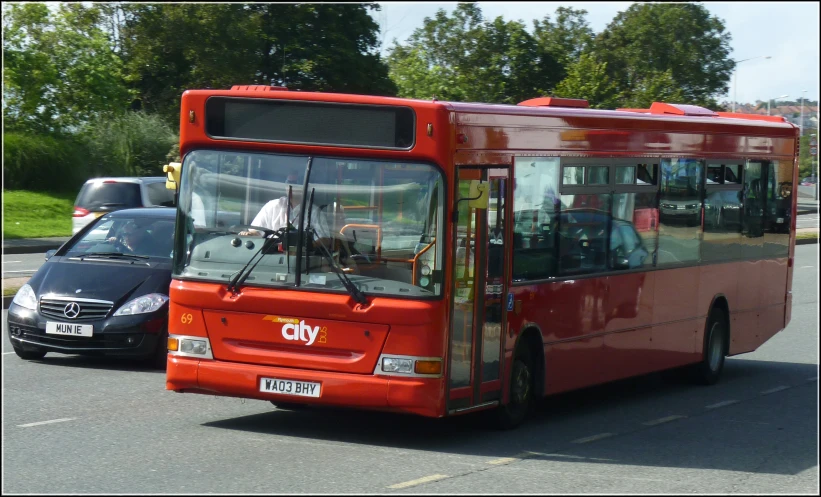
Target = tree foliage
(169,48)
(462,57)
(59,69)
(129,144)
(658,51)
(589,80)
(566,39)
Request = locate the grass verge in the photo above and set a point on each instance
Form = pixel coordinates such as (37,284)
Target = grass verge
(9,291)
(809,235)
(29,214)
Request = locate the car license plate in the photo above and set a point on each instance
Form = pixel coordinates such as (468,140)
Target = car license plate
(75,330)
(289,387)
(779,220)
(680,207)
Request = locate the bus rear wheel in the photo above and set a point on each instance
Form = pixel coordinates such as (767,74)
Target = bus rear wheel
(708,371)
(522,390)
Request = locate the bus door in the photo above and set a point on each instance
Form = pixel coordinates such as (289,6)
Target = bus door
(479,289)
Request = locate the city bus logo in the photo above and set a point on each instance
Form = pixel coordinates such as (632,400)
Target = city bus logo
(297,330)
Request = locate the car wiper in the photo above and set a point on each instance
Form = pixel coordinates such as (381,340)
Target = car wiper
(352,289)
(114,255)
(271,236)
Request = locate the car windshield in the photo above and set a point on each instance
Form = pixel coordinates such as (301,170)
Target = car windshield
(127,236)
(379,220)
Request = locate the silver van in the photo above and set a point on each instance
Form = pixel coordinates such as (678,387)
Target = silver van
(101,195)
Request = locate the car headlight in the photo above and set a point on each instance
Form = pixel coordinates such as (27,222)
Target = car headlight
(142,305)
(25,297)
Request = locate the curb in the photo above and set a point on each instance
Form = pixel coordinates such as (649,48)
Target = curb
(806,241)
(31,249)
(7,301)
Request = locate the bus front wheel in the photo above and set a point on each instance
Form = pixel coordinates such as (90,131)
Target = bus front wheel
(522,391)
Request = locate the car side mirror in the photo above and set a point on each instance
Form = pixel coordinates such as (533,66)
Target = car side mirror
(50,253)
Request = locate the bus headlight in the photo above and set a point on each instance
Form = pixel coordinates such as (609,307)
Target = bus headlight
(412,366)
(396,365)
(199,347)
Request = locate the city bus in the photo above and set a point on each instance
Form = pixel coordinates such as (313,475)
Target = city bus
(440,258)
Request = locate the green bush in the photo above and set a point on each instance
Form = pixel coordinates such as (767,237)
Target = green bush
(43,162)
(130,144)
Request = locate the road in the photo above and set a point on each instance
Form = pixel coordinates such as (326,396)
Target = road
(75,425)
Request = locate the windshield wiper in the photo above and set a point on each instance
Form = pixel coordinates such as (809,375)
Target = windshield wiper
(242,275)
(113,255)
(353,290)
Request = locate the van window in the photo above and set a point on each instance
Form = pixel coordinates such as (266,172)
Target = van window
(158,194)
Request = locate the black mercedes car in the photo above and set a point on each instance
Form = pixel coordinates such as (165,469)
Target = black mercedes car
(104,292)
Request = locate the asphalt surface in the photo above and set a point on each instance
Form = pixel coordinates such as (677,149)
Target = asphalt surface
(76,425)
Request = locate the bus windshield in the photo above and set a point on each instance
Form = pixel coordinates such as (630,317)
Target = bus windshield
(378,222)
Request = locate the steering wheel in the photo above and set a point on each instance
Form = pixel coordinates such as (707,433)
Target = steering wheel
(121,247)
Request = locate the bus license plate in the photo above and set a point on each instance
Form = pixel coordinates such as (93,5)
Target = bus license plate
(289,387)
(75,330)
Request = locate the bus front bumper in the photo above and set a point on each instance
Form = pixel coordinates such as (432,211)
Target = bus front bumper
(421,396)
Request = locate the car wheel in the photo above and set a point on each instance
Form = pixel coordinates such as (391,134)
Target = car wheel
(708,371)
(522,388)
(29,355)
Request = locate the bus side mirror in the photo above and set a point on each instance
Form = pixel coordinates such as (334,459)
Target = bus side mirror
(478,194)
(172,171)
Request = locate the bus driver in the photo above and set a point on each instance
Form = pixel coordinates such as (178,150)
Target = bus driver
(277,213)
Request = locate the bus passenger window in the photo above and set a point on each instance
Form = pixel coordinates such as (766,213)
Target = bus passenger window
(535,210)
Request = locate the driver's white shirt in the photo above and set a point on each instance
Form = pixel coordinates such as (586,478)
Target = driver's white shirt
(273,216)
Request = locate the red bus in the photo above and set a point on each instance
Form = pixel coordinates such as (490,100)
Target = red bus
(456,257)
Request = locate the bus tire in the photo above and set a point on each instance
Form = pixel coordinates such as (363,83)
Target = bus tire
(522,392)
(708,371)
(29,355)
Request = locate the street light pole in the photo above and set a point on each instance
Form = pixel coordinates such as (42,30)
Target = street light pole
(801,122)
(735,70)
(770,100)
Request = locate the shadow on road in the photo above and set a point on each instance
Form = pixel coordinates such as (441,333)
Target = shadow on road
(96,362)
(545,432)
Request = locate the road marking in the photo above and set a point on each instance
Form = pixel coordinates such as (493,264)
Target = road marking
(418,481)
(592,438)
(721,404)
(12,352)
(802,267)
(10,262)
(46,422)
(776,389)
(663,420)
(814,378)
(517,457)
(21,271)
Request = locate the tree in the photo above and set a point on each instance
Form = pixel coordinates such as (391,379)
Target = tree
(660,46)
(588,79)
(327,47)
(565,40)
(59,70)
(462,57)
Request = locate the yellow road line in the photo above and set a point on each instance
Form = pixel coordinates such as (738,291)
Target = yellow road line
(419,481)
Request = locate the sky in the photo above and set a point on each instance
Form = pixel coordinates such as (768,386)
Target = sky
(785,31)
